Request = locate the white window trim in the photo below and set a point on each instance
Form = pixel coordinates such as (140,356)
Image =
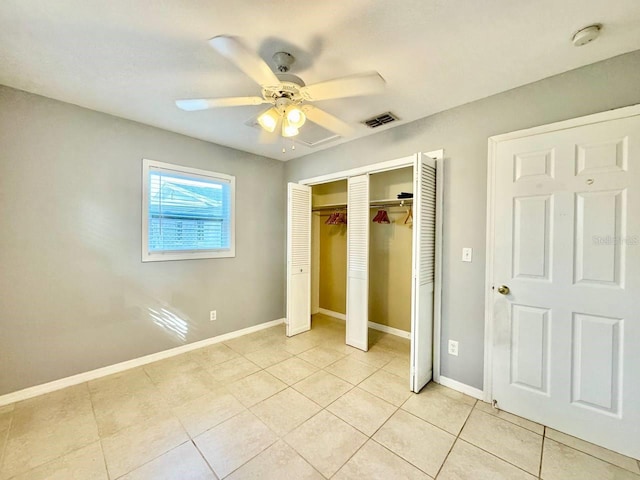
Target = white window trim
(186,255)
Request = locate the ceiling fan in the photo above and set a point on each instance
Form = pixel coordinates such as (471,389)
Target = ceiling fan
(287,94)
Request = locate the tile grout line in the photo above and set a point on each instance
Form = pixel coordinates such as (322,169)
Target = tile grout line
(383,424)
(311,399)
(369,437)
(544,437)
(73,450)
(496,456)
(398,408)
(510,421)
(399,456)
(493,454)
(257,454)
(460,432)
(169,410)
(149,461)
(203,457)
(591,455)
(338,398)
(453,444)
(245,409)
(596,457)
(296,450)
(427,421)
(357,385)
(6,438)
(95,419)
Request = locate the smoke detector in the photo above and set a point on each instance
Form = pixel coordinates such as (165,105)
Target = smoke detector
(586,35)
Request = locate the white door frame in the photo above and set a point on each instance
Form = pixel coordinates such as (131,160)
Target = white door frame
(409,161)
(618,113)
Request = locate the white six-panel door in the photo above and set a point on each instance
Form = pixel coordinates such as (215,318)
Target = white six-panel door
(424,241)
(567,245)
(298,259)
(358,262)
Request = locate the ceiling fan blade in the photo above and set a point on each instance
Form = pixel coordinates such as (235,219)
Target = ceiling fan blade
(351,86)
(245,59)
(328,121)
(194,104)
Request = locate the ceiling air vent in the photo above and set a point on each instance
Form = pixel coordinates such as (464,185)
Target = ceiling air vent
(379,120)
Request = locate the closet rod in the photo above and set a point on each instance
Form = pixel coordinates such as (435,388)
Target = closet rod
(390,202)
(400,202)
(342,206)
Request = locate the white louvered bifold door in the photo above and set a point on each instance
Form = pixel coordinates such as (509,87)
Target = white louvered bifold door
(424,236)
(298,259)
(358,263)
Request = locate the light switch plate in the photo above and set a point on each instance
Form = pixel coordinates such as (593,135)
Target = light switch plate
(467,254)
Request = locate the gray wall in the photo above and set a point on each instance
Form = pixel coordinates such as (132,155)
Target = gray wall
(463,133)
(74,295)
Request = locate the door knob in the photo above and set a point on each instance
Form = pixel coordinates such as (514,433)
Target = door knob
(503,290)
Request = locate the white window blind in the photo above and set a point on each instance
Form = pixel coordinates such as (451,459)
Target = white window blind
(188,213)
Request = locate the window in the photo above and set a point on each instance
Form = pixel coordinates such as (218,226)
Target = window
(186,213)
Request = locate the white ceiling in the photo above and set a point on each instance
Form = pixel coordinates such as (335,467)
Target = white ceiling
(134,58)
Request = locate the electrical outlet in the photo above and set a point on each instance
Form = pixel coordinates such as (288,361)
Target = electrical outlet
(213,315)
(453,347)
(467,254)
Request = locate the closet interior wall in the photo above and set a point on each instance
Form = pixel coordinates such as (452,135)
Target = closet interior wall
(329,249)
(390,253)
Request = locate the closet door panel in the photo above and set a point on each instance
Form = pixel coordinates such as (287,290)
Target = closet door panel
(424,232)
(358,263)
(298,259)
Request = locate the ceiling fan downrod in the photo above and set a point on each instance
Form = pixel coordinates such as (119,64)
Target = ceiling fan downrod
(283,61)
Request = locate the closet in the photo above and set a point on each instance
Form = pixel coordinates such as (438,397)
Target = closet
(329,249)
(390,249)
(371,273)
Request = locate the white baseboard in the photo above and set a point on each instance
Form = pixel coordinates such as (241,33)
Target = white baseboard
(329,313)
(393,331)
(461,387)
(375,326)
(122,366)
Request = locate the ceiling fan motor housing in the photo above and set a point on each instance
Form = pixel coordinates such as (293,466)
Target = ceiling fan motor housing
(289,88)
(282,103)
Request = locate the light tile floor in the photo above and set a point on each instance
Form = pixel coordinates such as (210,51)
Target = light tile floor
(264,406)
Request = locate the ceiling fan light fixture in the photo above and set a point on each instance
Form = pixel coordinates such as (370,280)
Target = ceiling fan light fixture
(288,130)
(295,117)
(269,120)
